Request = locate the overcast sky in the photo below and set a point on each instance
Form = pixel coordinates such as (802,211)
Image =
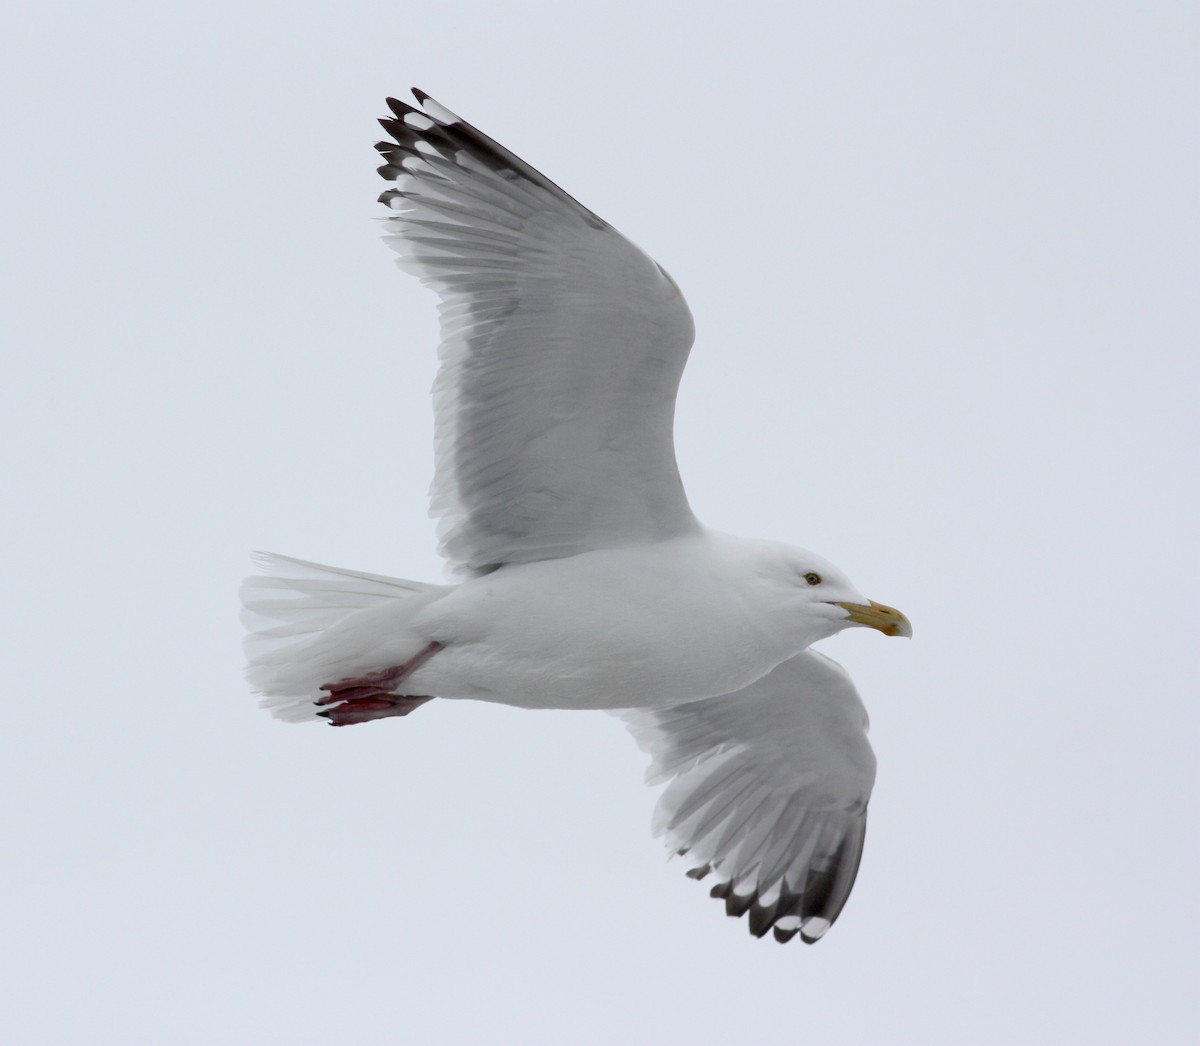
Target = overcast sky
(943,259)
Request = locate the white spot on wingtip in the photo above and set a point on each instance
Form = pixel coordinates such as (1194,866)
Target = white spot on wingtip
(745,887)
(418,121)
(439,112)
(770,895)
(813,928)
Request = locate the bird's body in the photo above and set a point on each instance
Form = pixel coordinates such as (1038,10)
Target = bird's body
(588,583)
(647,626)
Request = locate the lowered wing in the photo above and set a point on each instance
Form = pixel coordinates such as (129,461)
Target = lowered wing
(768,791)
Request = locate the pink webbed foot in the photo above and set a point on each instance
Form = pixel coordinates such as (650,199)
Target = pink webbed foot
(359,699)
(365,709)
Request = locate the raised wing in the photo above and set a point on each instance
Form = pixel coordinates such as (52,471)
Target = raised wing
(562,348)
(768,792)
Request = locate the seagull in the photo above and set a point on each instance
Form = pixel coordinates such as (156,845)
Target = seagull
(584,579)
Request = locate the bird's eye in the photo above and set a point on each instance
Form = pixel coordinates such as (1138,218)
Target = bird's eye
(812,578)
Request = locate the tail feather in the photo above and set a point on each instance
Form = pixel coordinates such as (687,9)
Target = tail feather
(309,625)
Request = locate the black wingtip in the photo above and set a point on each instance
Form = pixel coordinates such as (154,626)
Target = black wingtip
(418,94)
(399,109)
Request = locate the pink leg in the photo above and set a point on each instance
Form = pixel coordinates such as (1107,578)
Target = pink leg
(359,699)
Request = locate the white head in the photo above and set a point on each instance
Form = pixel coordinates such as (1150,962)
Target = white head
(821,598)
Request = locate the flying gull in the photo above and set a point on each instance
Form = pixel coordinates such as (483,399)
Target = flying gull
(586,581)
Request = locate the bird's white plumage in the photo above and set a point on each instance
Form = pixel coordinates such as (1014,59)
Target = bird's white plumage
(588,581)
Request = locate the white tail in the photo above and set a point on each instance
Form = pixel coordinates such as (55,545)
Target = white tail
(310,625)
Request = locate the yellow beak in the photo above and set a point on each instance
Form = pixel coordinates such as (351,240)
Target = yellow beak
(888,620)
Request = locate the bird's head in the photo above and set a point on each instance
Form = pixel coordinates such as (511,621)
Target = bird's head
(825,598)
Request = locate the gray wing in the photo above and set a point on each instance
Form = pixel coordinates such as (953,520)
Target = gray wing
(768,792)
(562,348)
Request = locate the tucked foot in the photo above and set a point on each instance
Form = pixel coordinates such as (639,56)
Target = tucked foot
(364,709)
(376,684)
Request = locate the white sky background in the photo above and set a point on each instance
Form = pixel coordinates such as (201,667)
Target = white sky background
(943,259)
